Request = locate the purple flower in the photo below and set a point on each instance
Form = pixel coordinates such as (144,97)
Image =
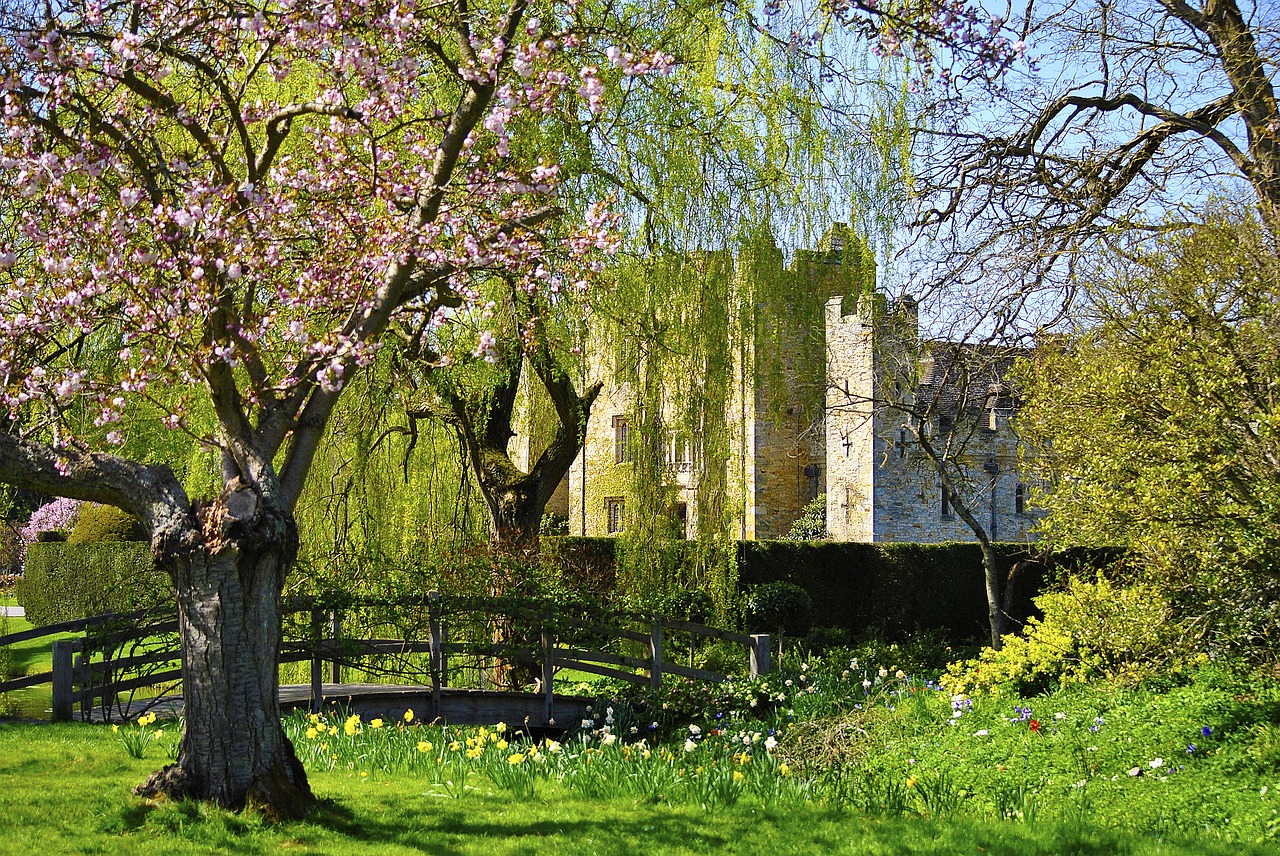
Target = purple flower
(1191,748)
(1206,731)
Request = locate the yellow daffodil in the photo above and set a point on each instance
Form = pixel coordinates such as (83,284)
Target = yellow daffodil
(501,728)
(738,776)
(911,781)
(375,723)
(408,715)
(516,759)
(312,734)
(455,746)
(502,745)
(350,728)
(784,770)
(115,729)
(321,727)
(424,746)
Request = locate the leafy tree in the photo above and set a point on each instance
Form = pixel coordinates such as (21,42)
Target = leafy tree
(1156,425)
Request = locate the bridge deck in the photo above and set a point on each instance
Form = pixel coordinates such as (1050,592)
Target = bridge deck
(390,701)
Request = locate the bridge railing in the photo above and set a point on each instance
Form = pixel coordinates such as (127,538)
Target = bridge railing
(126,653)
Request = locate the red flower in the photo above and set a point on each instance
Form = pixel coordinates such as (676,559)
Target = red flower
(1034,725)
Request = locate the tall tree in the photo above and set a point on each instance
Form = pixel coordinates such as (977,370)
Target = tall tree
(236,200)
(1157,425)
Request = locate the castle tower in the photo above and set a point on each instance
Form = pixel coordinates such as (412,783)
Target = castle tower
(871,382)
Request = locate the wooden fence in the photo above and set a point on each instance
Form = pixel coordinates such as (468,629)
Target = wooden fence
(94,675)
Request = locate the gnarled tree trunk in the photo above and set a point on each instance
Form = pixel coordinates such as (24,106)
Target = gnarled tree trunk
(234,751)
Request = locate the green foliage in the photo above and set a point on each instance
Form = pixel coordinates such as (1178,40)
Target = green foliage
(782,608)
(1091,631)
(811,525)
(1157,428)
(689,605)
(105,523)
(64,582)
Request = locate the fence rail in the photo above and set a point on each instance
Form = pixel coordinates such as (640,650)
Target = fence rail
(90,671)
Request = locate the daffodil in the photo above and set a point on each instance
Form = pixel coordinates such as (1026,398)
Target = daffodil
(408,715)
(312,733)
(515,759)
(375,723)
(424,746)
(502,745)
(738,776)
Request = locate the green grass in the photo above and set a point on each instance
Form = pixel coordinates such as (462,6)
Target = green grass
(65,789)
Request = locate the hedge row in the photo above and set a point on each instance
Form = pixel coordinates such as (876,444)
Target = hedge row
(65,582)
(892,590)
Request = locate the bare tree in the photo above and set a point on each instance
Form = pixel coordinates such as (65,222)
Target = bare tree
(1141,110)
(920,438)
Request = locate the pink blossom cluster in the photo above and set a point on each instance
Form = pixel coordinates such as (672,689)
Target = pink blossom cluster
(57,516)
(185,216)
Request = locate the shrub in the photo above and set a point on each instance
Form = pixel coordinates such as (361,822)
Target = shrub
(689,605)
(779,608)
(1091,630)
(105,523)
(65,582)
(811,525)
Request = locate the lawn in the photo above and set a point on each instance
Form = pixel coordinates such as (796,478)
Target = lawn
(65,789)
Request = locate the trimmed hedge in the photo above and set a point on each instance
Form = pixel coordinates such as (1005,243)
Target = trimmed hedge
(891,590)
(66,582)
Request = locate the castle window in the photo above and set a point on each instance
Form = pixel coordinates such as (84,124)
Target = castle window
(946,502)
(902,443)
(615,509)
(944,423)
(1020,499)
(621,440)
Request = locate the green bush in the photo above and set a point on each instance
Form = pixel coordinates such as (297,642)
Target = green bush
(65,582)
(782,608)
(105,523)
(1091,630)
(689,605)
(811,525)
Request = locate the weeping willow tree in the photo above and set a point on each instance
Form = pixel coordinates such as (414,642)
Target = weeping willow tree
(388,496)
(757,136)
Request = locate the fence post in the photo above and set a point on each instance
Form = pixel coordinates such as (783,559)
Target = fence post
(437,650)
(761,655)
(317,689)
(655,650)
(63,680)
(548,671)
(335,633)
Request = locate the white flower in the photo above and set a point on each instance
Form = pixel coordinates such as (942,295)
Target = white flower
(689,745)
(770,743)
(982,733)
(866,684)
(695,730)
(884,673)
(1059,716)
(609,739)
(586,723)
(1156,763)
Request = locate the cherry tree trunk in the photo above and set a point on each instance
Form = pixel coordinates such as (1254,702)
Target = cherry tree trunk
(234,751)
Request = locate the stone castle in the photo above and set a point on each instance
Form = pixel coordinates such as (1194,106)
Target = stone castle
(852,432)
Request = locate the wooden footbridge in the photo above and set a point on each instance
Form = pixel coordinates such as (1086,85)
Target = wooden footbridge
(463,660)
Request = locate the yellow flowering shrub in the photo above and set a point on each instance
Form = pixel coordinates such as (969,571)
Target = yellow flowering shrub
(1091,629)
